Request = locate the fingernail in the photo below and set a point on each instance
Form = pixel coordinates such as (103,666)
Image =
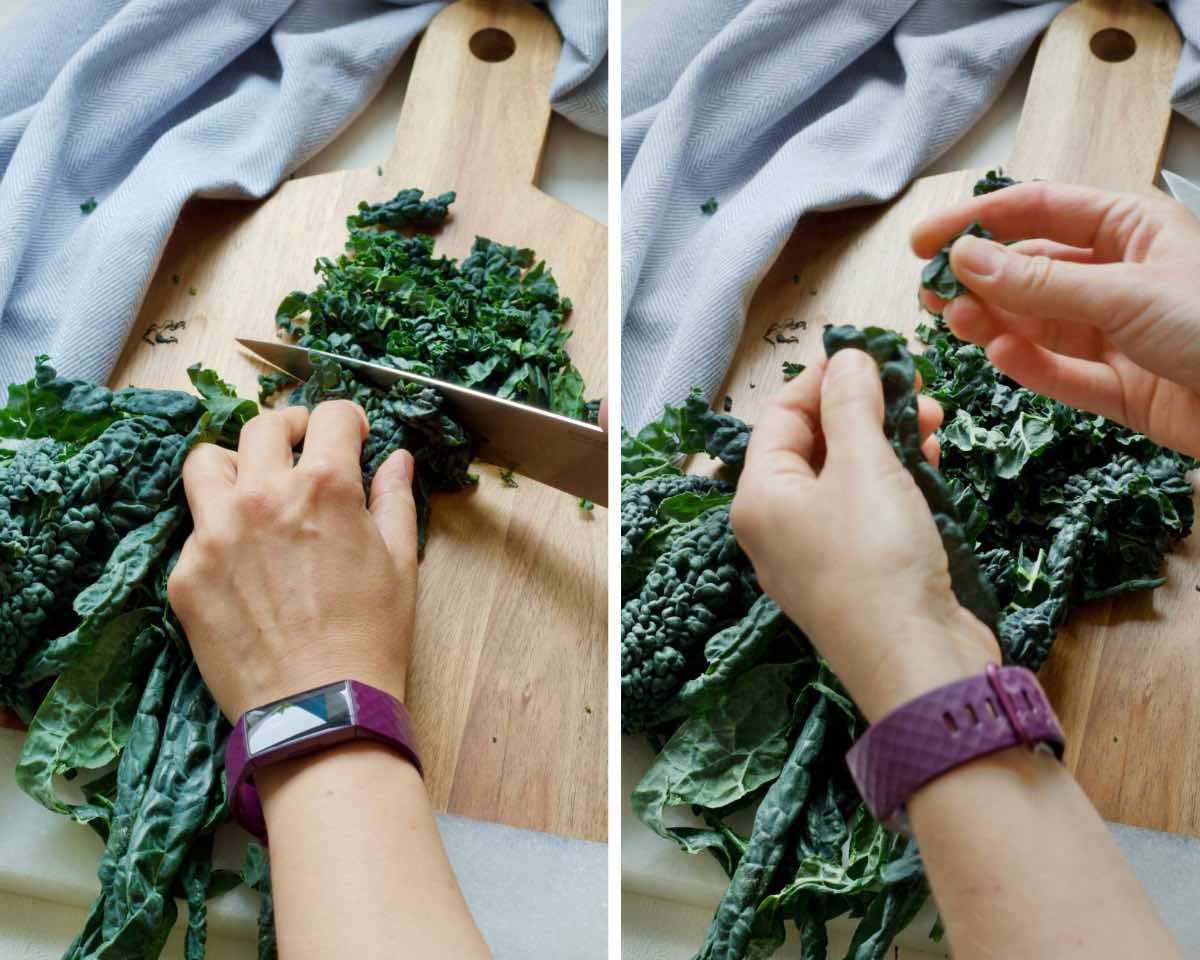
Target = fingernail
(976,255)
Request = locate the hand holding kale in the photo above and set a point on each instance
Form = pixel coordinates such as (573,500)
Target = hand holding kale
(1096,303)
(847,547)
(284,627)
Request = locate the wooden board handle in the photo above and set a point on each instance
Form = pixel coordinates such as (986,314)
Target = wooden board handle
(498,57)
(1098,107)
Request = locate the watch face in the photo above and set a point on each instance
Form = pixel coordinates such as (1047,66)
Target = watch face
(298,718)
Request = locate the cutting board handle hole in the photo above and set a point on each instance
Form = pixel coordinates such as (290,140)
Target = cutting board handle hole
(1113,45)
(492,45)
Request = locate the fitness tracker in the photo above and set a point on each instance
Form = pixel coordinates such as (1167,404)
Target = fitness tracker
(305,723)
(945,728)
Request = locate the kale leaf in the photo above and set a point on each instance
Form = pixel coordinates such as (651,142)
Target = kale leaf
(1063,506)
(937,275)
(405,209)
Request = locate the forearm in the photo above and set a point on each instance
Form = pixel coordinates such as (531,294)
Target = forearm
(357,865)
(1021,865)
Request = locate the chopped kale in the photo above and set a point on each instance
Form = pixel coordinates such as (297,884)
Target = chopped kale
(88,205)
(709,206)
(405,209)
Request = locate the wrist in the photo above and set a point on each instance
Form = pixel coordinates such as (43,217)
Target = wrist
(343,770)
(920,659)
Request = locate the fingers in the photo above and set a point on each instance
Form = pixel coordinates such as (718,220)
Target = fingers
(1065,213)
(979,323)
(1103,295)
(931,448)
(929,416)
(784,439)
(393,509)
(1079,383)
(266,443)
(852,410)
(1030,248)
(1055,251)
(333,443)
(209,473)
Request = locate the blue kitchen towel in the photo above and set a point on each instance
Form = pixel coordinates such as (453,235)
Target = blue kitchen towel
(145,103)
(778,108)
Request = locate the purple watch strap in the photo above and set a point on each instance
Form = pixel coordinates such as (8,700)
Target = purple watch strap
(373,715)
(945,728)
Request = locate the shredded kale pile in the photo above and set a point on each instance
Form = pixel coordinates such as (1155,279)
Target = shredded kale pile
(93,515)
(1039,506)
(1063,506)
(493,322)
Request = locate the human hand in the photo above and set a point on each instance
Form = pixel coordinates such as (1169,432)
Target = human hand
(843,541)
(1097,305)
(291,578)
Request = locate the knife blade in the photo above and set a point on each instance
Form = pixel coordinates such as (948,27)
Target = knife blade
(550,448)
(1183,190)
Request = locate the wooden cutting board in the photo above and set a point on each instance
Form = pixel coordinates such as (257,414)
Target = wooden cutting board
(508,678)
(1124,675)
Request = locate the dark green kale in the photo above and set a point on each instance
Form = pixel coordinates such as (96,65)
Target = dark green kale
(992,181)
(898,372)
(709,206)
(91,516)
(405,209)
(493,322)
(937,275)
(269,384)
(406,416)
(792,370)
(88,205)
(1063,506)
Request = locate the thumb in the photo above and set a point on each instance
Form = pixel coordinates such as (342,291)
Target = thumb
(852,409)
(393,509)
(1102,295)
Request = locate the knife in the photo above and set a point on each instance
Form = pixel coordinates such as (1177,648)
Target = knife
(559,451)
(1183,190)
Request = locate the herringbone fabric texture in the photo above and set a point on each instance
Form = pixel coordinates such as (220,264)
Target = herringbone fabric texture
(779,108)
(145,103)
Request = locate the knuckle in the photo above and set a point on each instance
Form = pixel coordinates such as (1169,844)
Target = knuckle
(255,502)
(206,548)
(182,584)
(329,479)
(1039,270)
(745,517)
(340,407)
